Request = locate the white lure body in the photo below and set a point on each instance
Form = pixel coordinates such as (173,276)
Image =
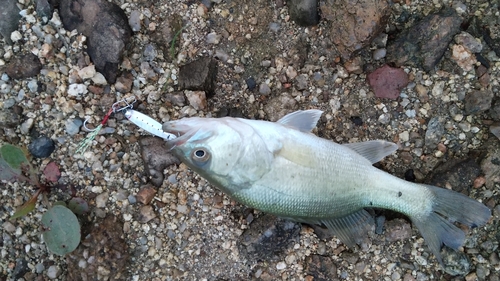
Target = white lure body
(148,124)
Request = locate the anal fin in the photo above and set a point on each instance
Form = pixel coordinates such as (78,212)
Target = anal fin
(352,228)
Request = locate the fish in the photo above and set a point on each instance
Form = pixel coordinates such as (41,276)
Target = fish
(282,168)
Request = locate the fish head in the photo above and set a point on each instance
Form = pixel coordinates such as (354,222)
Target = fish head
(225,151)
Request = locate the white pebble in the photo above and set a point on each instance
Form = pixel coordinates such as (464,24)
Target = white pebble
(281,265)
(53,272)
(99,79)
(77,90)
(87,72)
(16,36)
(404,136)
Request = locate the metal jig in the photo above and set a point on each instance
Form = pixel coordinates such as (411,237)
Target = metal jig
(116,107)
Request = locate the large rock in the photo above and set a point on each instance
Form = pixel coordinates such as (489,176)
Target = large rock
(156,158)
(199,75)
(24,66)
(106,27)
(9,18)
(354,24)
(424,44)
(304,12)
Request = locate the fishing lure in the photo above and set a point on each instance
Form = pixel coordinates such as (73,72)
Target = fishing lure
(148,124)
(141,120)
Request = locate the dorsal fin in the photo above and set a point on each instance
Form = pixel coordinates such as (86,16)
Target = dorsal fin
(302,120)
(374,150)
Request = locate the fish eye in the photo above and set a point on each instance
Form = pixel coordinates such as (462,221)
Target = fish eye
(200,155)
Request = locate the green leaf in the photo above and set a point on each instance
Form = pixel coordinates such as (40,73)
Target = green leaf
(7,172)
(26,207)
(62,230)
(13,155)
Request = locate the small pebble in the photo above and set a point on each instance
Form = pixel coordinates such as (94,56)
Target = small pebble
(251,84)
(53,272)
(281,265)
(379,54)
(213,38)
(101,200)
(264,89)
(76,90)
(73,126)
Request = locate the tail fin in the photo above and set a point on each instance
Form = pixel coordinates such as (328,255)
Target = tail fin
(449,207)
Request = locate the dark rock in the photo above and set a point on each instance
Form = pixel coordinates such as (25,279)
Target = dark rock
(232,112)
(41,147)
(251,84)
(44,9)
(410,175)
(199,75)
(478,101)
(387,82)
(353,27)
(490,38)
(424,44)
(156,157)
(9,118)
(106,26)
(483,77)
(457,173)
(494,111)
(105,248)
(21,269)
(321,268)
(435,130)
(9,18)
(24,66)
(304,12)
(358,121)
(268,236)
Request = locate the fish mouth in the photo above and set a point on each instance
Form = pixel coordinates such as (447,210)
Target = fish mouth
(191,130)
(183,132)
(175,128)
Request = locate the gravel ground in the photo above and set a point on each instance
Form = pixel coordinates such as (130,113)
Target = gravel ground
(191,230)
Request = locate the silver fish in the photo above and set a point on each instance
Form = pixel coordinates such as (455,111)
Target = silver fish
(283,169)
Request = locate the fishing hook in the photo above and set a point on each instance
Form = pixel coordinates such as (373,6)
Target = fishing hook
(114,109)
(85,125)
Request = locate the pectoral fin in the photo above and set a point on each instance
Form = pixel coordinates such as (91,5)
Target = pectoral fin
(350,229)
(374,150)
(302,120)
